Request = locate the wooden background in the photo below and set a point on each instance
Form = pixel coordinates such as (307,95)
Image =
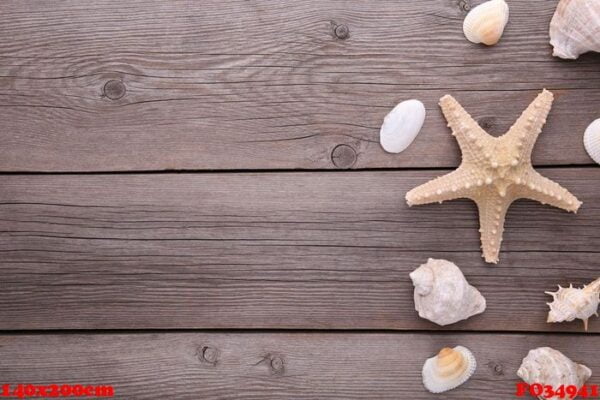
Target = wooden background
(177,217)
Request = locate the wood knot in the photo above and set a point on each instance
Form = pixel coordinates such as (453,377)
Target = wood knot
(114,89)
(343,156)
(208,355)
(277,365)
(497,368)
(487,123)
(464,5)
(341,31)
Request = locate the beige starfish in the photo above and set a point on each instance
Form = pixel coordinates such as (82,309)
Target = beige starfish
(495,171)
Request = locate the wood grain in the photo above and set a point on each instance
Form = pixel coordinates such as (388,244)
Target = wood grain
(237,84)
(275,366)
(327,250)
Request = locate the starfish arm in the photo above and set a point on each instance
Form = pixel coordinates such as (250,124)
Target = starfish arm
(527,128)
(470,136)
(546,191)
(457,184)
(492,212)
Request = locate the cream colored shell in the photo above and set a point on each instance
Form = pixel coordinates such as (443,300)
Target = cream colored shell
(401,126)
(495,171)
(443,295)
(591,140)
(449,369)
(547,366)
(575,28)
(485,23)
(572,303)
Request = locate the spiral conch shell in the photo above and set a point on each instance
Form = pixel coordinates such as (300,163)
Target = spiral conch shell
(449,369)
(547,366)
(485,23)
(443,295)
(570,303)
(575,28)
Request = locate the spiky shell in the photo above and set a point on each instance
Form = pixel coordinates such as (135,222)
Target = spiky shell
(591,140)
(575,28)
(571,303)
(449,369)
(547,366)
(485,23)
(443,295)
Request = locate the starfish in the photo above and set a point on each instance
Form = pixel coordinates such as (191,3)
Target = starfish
(495,171)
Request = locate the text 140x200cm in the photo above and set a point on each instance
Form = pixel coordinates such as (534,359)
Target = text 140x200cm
(23,390)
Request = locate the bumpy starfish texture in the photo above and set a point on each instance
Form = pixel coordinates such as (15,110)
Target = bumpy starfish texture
(495,171)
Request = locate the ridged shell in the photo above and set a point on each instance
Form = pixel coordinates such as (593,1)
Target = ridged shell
(571,303)
(485,23)
(449,369)
(401,126)
(547,366)
(575,28)
(591,140)
(443,295)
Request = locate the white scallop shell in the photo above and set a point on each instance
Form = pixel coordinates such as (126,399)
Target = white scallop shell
(575,28)
(449,369)
(591,140)
(443,295)
(571,303)
(485,23)
(402,125)
(547,366)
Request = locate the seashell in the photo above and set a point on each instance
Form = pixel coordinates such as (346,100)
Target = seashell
(449,369)
(401,126)
(591,140)
(575,28)
(570,303)
(443,295)
(547,366)
(485,23)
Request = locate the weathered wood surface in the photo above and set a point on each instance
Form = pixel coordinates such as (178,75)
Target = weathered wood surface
(236,84)
(272,250)
(275,366)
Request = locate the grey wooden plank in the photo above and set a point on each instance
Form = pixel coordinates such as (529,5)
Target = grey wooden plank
(328,250)
(275,365)
(235,84)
